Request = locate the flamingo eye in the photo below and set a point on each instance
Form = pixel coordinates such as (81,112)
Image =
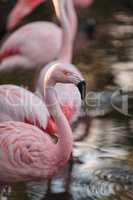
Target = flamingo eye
(66,73)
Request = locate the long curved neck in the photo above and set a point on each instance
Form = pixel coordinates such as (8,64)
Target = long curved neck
(66,13)
(63,148)
(72,17)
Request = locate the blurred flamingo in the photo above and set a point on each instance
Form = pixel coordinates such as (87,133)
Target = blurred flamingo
(28,47)
(27,153)
(24,48)
(25,7)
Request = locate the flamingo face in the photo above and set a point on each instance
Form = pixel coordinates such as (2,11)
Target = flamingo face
(59,73)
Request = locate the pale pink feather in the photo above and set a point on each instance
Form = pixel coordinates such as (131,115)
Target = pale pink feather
(19,104)
(28,47)
(25,7)
(24,48)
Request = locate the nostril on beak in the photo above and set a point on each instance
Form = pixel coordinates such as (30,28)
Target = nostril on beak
(82,89)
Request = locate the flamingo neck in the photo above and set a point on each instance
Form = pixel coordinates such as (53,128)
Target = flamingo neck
(72,17)
(66,14)
(63,148)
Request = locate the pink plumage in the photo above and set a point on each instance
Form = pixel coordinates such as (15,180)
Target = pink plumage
(19,104)
(26,152)
(28,47)
(7,53)
(25,7)
(21,9)
(23,155)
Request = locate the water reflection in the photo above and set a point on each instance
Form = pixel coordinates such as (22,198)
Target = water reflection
(104,169)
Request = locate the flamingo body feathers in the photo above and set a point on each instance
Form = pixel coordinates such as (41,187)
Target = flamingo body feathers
(22,105)
(25,153)
(32,43)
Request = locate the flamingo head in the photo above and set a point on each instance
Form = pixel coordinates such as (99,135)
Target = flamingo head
(21,9)
(62,73)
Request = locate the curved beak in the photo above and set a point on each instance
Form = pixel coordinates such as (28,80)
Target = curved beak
(82,89)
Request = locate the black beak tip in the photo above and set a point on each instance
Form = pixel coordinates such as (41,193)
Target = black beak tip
(82,89)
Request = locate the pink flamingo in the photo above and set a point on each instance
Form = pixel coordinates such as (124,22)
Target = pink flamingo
(25,7)
(24,48)
(68,95)
(26,153)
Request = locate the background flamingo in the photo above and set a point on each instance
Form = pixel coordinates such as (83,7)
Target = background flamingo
(26,152)
(25,7)
(28,47)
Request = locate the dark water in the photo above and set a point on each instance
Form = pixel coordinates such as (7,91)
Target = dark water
(101,167)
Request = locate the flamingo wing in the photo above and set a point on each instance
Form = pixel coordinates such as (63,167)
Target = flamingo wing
(17,51)
(22,105)
(24,153)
